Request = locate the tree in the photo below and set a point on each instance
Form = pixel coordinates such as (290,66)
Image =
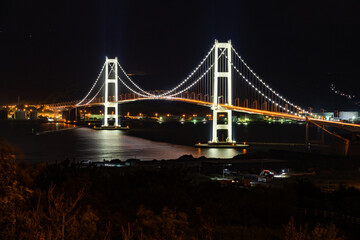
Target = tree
(12,195)
(60,218)
(292,233)
(169,224)
(54,216)
(320,232)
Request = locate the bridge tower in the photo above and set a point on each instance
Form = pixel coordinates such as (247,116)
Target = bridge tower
(222,70)
(111,91)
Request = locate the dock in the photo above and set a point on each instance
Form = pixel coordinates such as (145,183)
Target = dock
(111,128)
(221,145)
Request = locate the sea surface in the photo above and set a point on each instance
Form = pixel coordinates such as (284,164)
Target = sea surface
(144,142)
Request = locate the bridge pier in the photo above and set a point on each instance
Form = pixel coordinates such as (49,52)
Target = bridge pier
(222,77)
(222,126)
(222,69)
(111,89)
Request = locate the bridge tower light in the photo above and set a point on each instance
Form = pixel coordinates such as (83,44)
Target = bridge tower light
(224,73)
(111,79)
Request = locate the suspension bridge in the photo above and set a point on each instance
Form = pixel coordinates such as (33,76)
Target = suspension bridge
(222,81)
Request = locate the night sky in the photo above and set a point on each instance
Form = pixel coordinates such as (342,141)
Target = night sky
(53,50)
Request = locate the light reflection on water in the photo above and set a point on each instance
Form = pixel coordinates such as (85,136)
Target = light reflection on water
(105,144)
(88,144)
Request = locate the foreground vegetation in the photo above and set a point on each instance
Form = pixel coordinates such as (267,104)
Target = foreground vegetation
(66,201)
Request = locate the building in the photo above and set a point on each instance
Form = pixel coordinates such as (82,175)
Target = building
(348,116)
(34,115)
(329,116)
(20,115)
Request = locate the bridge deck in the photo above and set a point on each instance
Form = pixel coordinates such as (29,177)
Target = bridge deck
(348,126)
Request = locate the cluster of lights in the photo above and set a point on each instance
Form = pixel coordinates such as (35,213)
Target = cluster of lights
(348,96)
(62,104)
(267,86)
(102,69)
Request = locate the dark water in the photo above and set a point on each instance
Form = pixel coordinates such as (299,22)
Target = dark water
(189,133)
(145,141)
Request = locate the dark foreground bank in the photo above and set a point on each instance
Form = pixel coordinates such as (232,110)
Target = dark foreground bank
(179,199)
